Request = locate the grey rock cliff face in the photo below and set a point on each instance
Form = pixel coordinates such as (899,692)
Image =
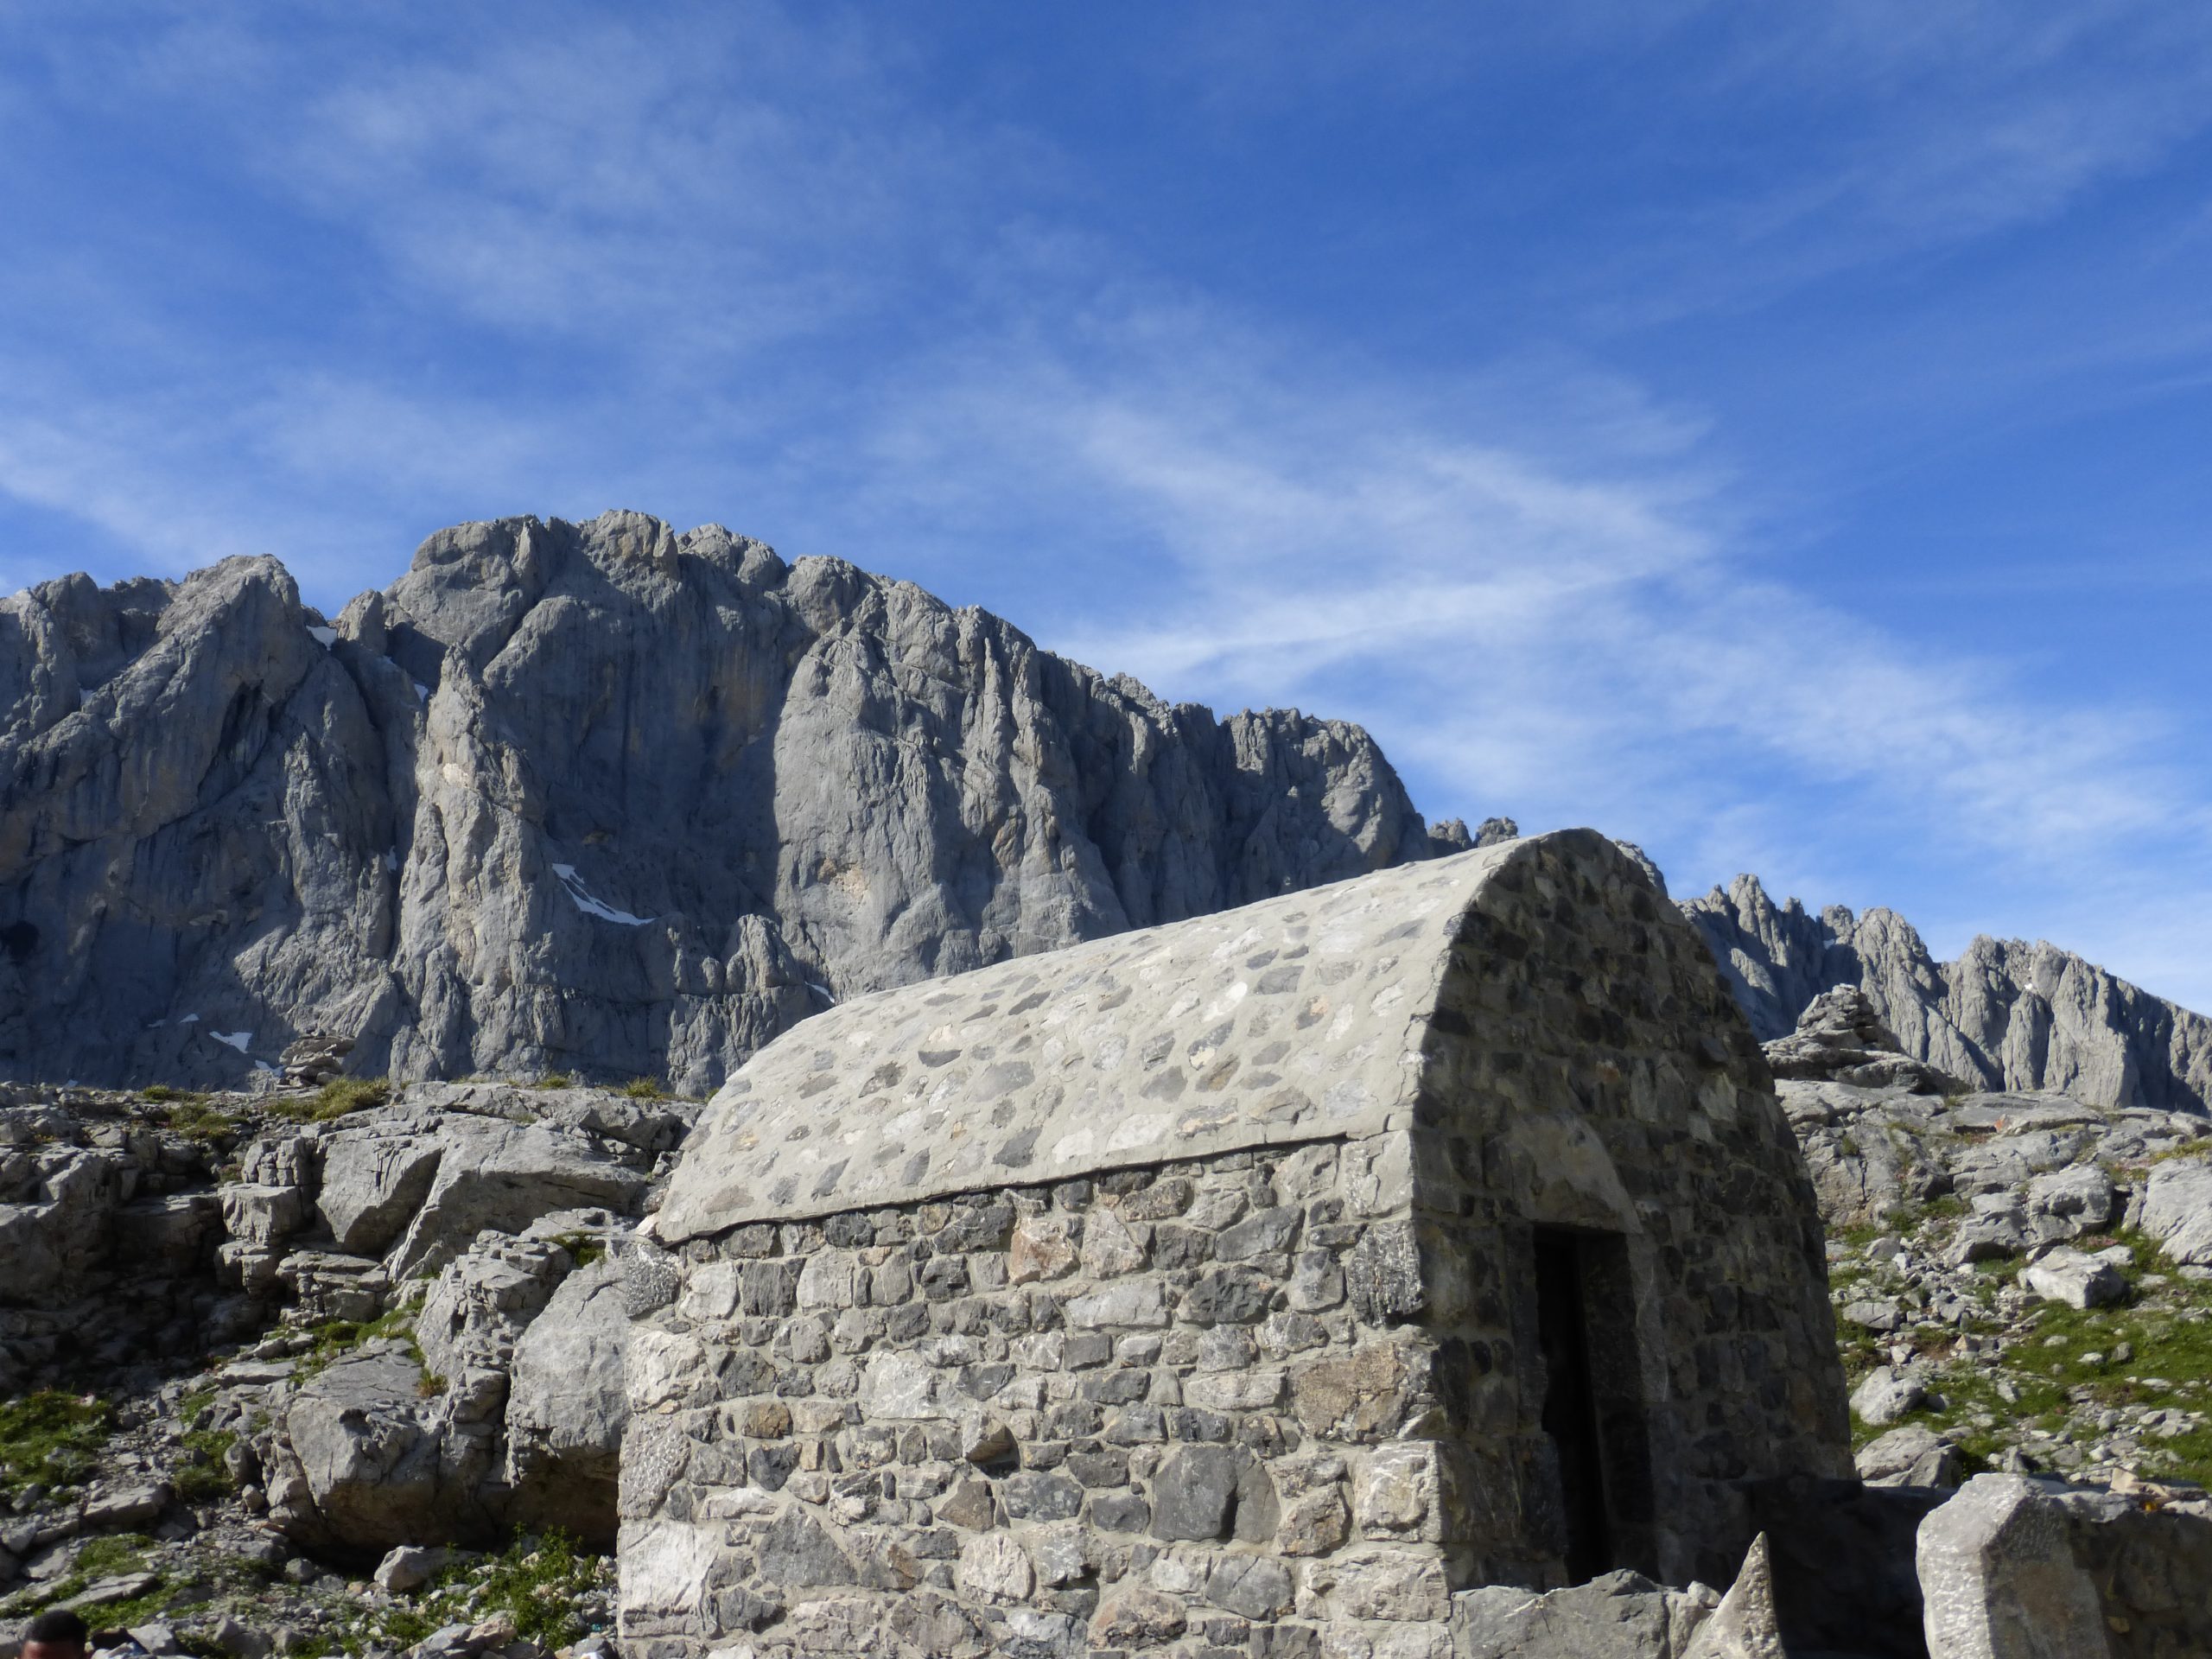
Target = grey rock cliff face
(598,797)
(2005,1015)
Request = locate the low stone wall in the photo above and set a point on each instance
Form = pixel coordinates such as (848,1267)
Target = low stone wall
(1163,1408)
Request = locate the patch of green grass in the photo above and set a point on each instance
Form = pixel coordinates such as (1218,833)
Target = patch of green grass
(50,1438)
(1861,1234)
(193,1117)
(158,1091)
(554,1080)
(402,1626)
(645,1089)
(586,1247)
(335,1099)
(122,1615)
(2187,1149)
(2049,1368)
(539,1582)
(121,1552)
(103,1558)
(335,1338)
(209,1479)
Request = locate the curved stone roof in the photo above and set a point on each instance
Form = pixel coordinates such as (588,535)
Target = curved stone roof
(1296,1018)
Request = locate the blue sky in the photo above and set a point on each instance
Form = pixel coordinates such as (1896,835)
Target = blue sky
(1778,434)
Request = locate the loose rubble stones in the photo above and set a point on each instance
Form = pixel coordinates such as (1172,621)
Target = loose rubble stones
(1176,1290)
(1963,1230)
(402,1397)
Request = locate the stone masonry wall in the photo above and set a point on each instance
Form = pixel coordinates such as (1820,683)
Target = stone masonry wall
(1176,1408)
(1616,1095)
(1264,1398)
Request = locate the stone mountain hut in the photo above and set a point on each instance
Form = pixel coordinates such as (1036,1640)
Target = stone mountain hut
(1248,1285)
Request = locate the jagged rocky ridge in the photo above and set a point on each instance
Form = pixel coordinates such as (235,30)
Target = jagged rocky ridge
(606,799)
(593,797)
(2006,1015)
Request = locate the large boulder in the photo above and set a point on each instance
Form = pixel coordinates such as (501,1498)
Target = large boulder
(504,1176)
(2000,1581)
(57,1223)
(1914,1455)
(1617,1615)
(375,1177)
(364,1459)
(2178,1210)
(566,1406)
(2079,1280)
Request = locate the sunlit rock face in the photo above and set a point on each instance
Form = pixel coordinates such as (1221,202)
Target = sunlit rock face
(598,797)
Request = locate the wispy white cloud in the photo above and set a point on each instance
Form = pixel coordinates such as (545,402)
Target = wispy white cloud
(1548,621)
(589,256)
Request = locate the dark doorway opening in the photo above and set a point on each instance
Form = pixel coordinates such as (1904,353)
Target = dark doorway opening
(1593,1404)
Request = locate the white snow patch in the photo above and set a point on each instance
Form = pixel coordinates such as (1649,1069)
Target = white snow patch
(422,691)
(237,1039)
(580,897)
(264,1066)
(392,860)
(325,637)
(822,991)
(157,1024)
(189,1020)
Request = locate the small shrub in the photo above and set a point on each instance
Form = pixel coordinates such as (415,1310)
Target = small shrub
(193,1117)
(335,1099)
(645,1089)
(158,1091)
(210,1478)
(554,1080)
(585,1247)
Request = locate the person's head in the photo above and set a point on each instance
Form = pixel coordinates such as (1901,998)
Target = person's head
(57,1634)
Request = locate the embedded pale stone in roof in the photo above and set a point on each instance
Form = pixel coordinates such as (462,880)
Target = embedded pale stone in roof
(1298,1018)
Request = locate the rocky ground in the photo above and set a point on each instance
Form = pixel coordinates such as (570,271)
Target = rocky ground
(258,1351)
(2022,1282)
(337,1368)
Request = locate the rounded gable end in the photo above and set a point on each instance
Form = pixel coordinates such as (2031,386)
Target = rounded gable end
(1301,1018)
